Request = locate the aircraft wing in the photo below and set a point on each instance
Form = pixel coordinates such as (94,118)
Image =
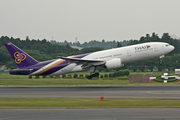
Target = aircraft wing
(81,60)
(84,62)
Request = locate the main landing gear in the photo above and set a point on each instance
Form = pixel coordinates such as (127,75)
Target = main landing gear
(92,70)
(92,75)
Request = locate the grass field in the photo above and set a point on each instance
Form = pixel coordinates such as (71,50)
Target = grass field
(86,103)
(18,80)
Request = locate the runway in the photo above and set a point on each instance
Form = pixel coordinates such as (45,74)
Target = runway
(91,114)
(138,92)
(141,92)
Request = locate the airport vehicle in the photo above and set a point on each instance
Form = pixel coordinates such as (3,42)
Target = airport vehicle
(110,59)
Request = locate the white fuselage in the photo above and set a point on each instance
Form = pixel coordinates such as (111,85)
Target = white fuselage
(125,54)
(133,53)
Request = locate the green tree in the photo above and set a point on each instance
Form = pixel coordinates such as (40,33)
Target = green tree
(119,44)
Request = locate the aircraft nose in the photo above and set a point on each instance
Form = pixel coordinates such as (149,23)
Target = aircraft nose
(170,48)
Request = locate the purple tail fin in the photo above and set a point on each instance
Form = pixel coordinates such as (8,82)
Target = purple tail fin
(21,58)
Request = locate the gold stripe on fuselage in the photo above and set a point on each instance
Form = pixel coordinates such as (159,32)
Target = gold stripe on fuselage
(50,67)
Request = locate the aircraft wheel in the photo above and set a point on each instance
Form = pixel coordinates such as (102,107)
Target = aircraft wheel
(89,77)
(96,74)
(93,75)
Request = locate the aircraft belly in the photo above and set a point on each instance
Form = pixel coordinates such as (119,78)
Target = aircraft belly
(64,70)
(142,56)
(77,69)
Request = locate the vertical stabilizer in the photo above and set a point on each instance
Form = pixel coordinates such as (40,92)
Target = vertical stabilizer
(21,58)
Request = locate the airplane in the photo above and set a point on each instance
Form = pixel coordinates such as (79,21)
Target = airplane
(110,59)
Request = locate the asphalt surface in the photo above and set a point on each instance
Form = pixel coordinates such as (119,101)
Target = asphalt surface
(151,92)
(91,114)
(141,92)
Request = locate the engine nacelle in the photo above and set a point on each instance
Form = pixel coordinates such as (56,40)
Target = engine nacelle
(114,63)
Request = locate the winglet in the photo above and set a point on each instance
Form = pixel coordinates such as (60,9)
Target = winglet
(21,58)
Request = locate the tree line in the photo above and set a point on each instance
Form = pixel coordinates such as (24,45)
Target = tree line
(94,43)
(114,44)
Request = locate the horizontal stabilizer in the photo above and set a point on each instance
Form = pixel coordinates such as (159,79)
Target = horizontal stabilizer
(21,70)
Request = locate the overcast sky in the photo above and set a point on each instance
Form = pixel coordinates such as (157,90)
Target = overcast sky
(88,19)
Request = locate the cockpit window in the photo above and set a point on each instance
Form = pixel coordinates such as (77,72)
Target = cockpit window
(167,45)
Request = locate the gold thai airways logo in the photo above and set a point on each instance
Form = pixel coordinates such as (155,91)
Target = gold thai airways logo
(19,57)
(148,46)
(145,47)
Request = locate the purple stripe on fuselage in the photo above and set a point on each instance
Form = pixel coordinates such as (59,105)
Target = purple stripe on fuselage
(56,68)
(60,66)
(82,55)
(34,67)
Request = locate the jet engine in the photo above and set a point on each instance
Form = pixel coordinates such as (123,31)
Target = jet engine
(114,63)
